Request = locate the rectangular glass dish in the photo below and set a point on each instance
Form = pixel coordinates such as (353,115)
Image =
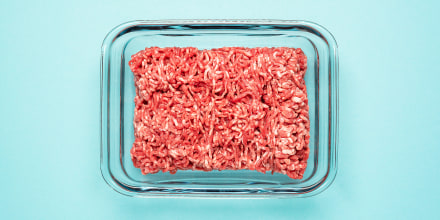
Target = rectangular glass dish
(117,107)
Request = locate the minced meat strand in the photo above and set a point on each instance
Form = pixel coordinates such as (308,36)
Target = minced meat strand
(228,108)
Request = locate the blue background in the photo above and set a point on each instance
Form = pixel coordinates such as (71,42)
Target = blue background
(389,110)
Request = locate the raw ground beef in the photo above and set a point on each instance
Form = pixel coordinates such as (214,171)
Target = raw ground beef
(229,108)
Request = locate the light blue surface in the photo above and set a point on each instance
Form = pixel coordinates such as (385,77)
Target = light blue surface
(389,110)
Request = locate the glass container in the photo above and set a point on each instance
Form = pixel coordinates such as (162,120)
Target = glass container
(117,107)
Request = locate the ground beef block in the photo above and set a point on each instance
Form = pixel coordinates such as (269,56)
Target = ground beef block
(229,108)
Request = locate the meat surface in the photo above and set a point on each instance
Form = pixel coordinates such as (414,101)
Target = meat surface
(228,108)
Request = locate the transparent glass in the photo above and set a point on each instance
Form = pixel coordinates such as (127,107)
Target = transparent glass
(117,106)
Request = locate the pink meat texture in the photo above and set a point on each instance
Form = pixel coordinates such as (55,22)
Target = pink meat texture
(228,108)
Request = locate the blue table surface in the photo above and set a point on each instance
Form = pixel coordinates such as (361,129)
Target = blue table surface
(389,110)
